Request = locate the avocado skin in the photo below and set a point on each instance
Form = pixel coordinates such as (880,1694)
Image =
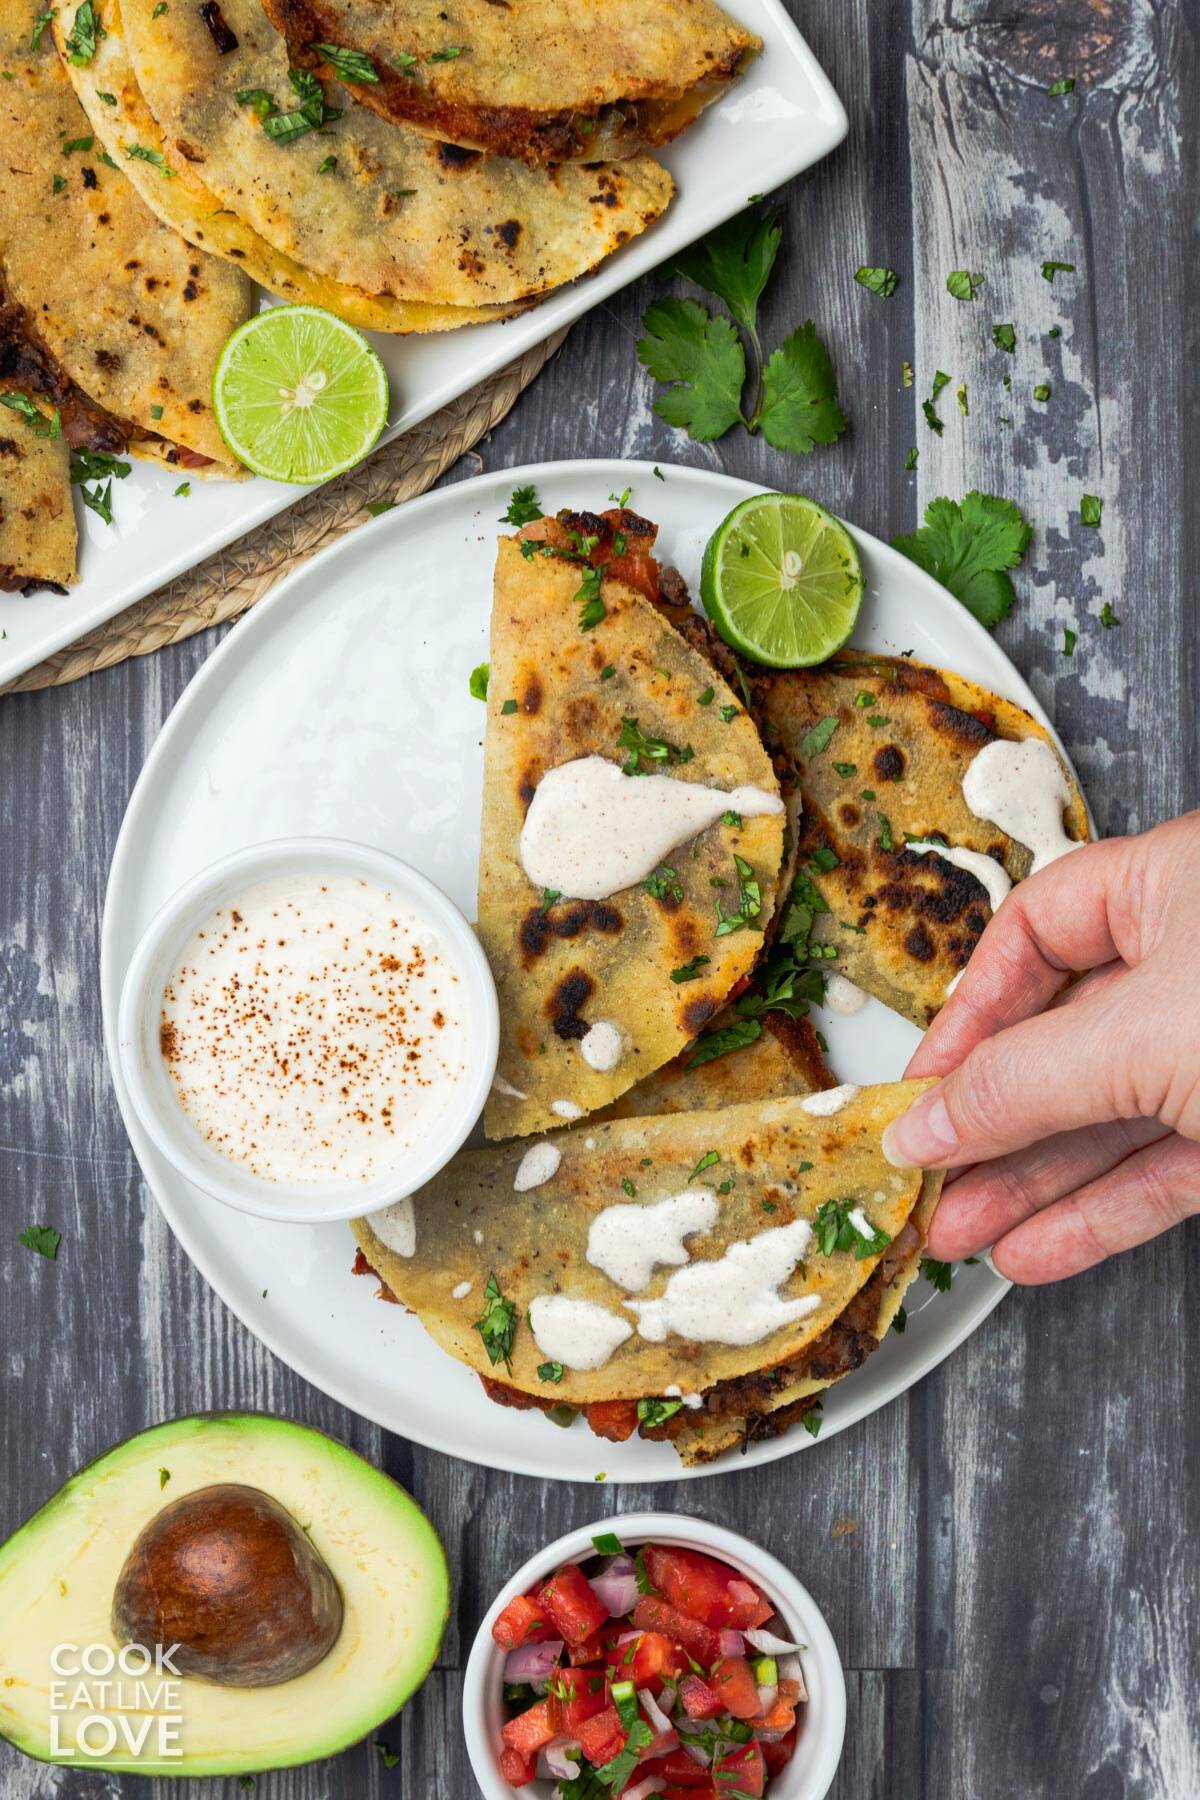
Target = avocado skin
(227,1576)
(397,1603)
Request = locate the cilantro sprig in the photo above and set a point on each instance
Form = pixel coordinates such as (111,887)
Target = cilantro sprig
(700,355)
(969,548)
(497,1324)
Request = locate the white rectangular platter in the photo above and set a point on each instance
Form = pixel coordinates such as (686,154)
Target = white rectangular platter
(781,117)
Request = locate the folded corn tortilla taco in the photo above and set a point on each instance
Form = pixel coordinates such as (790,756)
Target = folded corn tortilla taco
(905,873)
(118,114)
(557,81)
(133,315)
(780,1056)
(38,536)
(633,825)
(675,1272)
(358,201)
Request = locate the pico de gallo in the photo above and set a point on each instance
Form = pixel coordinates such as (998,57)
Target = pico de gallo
(660,1671)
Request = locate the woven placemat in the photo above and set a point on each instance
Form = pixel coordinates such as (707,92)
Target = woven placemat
(234,579)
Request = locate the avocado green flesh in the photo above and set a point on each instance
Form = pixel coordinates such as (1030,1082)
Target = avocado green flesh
(58,1573)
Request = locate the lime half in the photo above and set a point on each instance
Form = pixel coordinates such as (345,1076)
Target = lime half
(782,581)
(299,395)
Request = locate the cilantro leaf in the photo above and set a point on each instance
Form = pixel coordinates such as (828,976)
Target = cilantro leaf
(1108,617)
(1051,269)
(1091,509)
(523,507)
(940,1273)
(962,284)
(42,1238)
(690,971)
(816,740)
(969,548)
(735,262)
(86,33)
(477,686)
(883,282)
(1065,86)
(1070,639)
(551,1371)
(351,65)
(1005,338)
(657,1412)
(800,405)
(701,355)
(497,1324)
(720,1043)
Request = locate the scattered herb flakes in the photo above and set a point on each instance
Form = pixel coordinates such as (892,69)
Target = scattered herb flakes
(816,740)
(83,144)
(497,1324)
(749,901)
(643,749)
(846,770)
(58,184)
(733,818)
(39,25)
(962,284)
(663,885)
(352,65)
(328,166)
(1005,338)
(588,598)
(621,500)
(657,472)
(1051,269)
(690,971)
(41,1238)
(906,373)
(97,465)
(969,548)
(509,707)
(43,426)
(900,1321)
(390,1757)
(1091,508)
(164,1475)
(875,720)
(1055,331)
(549,896)
(885,832)
(98,500)
(1065,86)
(910,461)
(629,1188)
(824,859)
(550,1371)
(931,418)
(608,1543)
(607,672)
(182,491)
(811,1421)
(140,153)
(738,1036)
(450,54)
(477,686)
(1042,391)
(86,33)
(523,507)
(159,10)
(1070,639)
(961,397)
(940,1273)
(1108,617)
(940,380)
(651,1413)
(883,282)
(706,1162)
(257,99)
(377,508)
(707,697)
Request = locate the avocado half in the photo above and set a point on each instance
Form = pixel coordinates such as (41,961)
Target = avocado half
(59,1572)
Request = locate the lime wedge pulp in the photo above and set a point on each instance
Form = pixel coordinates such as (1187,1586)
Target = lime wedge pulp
(782,581)
(298,394)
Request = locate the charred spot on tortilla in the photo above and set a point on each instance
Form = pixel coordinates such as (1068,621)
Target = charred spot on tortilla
(694,1016)
(574,990)
(454,156)
(964,728)
(566,920)
(889,763)
(920,945)
(508,232)
(531,699)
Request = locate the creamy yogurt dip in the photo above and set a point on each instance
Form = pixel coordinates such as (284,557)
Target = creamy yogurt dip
(1020,785)
(314,1029)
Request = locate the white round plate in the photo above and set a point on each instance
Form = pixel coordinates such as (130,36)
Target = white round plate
(339,708)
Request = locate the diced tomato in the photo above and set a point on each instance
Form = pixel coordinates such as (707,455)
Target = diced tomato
(743,1769)
(516,1767)
(601,1736)
(573,1604)
(682,1771)
(579,1695)
(691,1793)
(778,1756)
(600,1646)
(705,1589)
(699,1701)
(523,1621)
(653,1614)
(779,1716)
(732,1680)
(613,1419)
(655,1660)
(532,1728)
(636,571)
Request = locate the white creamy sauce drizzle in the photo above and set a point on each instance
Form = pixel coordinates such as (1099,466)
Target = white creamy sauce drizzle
(829,1100)
(500,1086)
(602,1046)
(314,1029)
(842,997)
(591,830)
(478,1236)
(461,1291)
(629,1242)
(860,1222)
(735,1298)
(577,1333)
(566,1109)
(539,1163)
(992,876)
(675,1392)
(1021,787)
(396,1226)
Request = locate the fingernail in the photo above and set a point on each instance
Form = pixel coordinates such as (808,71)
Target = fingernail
(923,1137)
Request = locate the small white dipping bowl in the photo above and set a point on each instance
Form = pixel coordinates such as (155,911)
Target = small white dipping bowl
(157,959)
(822,1721)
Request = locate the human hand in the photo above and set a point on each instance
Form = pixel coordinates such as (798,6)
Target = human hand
(1072,1113)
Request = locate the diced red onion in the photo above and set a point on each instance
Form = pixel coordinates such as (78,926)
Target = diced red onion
(768,1694)
(557,1759)
(731,1643)
(654,1711)
(651,1785)
(770,1645)
(697,1752)
(533,1662)
(627,1637)
(616,1586)
(668,1696)
(791,1670)
(770,1737)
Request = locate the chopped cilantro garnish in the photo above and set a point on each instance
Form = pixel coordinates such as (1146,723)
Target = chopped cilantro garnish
(549,896)
(98,500)
(328,166)
(477,686)
(910,460)
(846,770)
(44,427)
(940,380)
(509,707)
(816,740)
(643,749)
(969,548)
(811,1420)
(1091,509)
(608,1543)
(73,144)
(1042,391)
(497,1324)
(960,395)
(749,901)
(707,697)
(390,1757)
(885,832)
(41,1238)
(662,885)
(1070,639)
(95,465)
(182,491)
(86,33)
(824,859)
(1108,617)
(1005,338)
(657,1412)
(449,54)
(39,25)
(1051,269)
(720,1043)
(931,418)
(733,818)
(883,282)
(523,507)
(1065,86)
(139,153)
(706,1162)
(591,607)
(940,1273)
(690,971)
(900,1322)
(164,1475)
(835,1230)
(962,284)
(607,672)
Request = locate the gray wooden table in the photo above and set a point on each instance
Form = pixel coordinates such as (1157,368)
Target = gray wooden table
(1017,1603)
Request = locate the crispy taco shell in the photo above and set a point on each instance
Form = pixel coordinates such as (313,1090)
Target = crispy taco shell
(37,519)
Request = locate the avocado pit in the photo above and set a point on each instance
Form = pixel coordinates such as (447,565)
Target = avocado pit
(228,1576)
